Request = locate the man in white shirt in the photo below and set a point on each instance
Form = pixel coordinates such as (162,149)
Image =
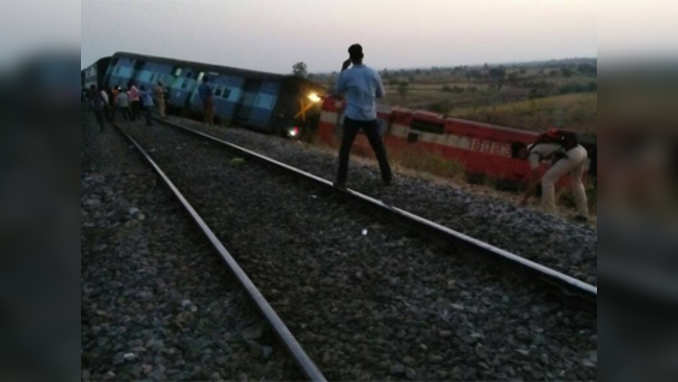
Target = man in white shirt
(360,85)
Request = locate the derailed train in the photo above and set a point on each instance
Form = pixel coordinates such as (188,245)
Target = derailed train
(292,106)
(483,149)
(267,102)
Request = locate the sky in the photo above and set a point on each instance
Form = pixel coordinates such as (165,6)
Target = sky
(272,35)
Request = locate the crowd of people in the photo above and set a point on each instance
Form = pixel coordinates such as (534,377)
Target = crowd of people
(130,103)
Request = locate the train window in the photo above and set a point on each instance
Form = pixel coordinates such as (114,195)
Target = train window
(227,92)
(217,92)
(518,150)
(429,127)
(139,64)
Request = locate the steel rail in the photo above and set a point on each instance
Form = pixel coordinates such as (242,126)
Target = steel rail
(551,275)
(303,360)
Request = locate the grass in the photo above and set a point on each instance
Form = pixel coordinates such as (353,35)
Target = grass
(424,161)
(575,112)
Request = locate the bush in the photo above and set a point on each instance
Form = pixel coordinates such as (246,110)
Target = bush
(578,88)
(571,88)
(587,69)
(455,89)
(402,88)
(441,107)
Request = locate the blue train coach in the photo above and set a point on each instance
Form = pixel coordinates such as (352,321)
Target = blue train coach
(267,102)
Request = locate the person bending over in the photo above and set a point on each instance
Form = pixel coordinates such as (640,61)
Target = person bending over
(568,157)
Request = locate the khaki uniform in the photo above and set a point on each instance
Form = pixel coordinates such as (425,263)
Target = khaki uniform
(574,163)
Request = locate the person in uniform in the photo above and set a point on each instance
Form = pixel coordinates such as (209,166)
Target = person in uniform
(159,93)
(567,157)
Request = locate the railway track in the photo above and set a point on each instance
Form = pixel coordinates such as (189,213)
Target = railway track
(441,311)
(306,365)
(567,285)
(156,301)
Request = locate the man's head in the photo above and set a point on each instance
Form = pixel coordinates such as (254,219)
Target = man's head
(355,52)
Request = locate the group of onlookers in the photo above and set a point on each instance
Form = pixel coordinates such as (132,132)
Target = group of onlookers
(127,102)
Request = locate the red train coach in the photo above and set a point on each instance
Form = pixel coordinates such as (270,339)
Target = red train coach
(495,151)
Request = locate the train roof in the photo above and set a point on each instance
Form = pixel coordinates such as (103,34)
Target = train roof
(211,67)
(97,62)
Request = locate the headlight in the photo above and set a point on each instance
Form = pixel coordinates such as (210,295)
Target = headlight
(314,97)
(293,131)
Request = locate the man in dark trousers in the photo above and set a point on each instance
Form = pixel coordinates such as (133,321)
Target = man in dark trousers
(97,103)
(205,93)
(360,85)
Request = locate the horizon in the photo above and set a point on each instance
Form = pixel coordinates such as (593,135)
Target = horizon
(428,67)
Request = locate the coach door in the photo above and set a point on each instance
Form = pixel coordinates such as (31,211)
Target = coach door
(246,104)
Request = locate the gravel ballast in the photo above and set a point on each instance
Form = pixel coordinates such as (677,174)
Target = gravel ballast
(367,299)
(157,301)
(552,240)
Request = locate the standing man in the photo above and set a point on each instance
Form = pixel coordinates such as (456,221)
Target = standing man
(147,103)
(97,103)
(122,104)
(134,100)
(159,92)
(107,104)
(361,85)
(205,92)
(568,157)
